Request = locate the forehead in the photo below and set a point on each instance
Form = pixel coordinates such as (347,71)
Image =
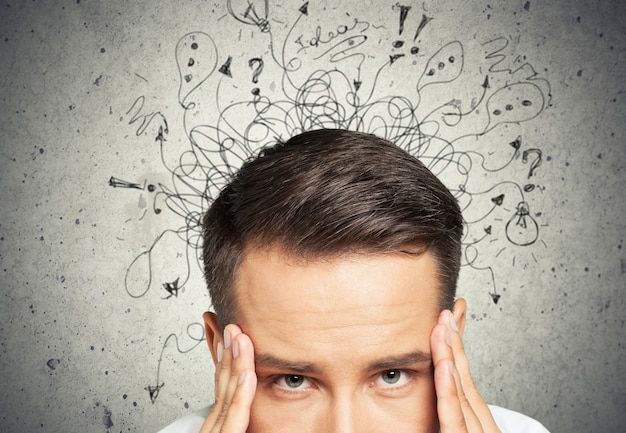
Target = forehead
(331,309)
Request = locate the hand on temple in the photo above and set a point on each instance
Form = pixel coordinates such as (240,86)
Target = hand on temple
(235,384)
(460,407)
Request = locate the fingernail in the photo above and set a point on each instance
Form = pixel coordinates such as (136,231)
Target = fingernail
(226,339)
(448,338)
(453,323)
(235,349)
(220,352)
(242,377)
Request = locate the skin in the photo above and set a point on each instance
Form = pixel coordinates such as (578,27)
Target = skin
(350,344)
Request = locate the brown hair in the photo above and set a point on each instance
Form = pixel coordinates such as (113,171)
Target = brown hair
(329,192)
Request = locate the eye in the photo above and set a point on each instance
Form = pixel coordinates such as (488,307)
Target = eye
(393,378)
(293,382)
(390,376)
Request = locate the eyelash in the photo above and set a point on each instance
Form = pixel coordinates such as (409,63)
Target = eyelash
(407,376)
(285,388)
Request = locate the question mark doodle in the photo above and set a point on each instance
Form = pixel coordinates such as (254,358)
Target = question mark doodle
(536,163)
(256,71)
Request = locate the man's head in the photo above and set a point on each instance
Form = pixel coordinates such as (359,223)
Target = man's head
(327,194)
(334,253)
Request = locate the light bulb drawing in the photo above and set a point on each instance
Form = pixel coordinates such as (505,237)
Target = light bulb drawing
(522,229)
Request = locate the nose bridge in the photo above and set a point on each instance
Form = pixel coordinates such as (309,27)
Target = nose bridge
(345,414)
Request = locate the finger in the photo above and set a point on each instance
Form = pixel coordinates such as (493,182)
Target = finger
(451,417)
(465,380)
(442,342)
(234,389)
(222,375)
(237,417)
(223,371)
(440,349)
(243,359)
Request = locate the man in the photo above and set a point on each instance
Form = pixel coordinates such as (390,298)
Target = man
(332,262)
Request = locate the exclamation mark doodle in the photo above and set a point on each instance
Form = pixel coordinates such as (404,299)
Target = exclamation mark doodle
(404,11)
(425,20)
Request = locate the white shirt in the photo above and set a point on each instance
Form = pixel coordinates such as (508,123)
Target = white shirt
(508,421)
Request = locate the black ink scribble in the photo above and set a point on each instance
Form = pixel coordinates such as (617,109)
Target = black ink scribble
(199,47)
(517,143)
(321,82)
(119,183)
(536,162)
(495,297)
(172,288)
(154,390)
(425,20)
(144,119)
(161,135)
(404,11)
(444,66)
(304,9)
(225,68)
(498,200)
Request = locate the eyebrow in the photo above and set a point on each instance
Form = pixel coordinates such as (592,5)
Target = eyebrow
(412,358)
(387,363)
(267,360)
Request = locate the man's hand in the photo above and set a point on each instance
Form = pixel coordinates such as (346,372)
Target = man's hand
(235,384)
(460,407)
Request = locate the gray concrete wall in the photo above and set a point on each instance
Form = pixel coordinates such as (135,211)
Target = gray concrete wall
(115,113)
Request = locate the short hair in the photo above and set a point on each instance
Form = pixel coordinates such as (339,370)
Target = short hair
(326,193)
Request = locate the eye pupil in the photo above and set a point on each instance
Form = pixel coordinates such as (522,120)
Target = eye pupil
(391,376)
(294,380)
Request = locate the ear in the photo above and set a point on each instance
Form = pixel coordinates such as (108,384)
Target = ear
(459,310)
(213,333)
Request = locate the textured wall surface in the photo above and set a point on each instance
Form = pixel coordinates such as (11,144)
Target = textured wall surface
(121,119)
